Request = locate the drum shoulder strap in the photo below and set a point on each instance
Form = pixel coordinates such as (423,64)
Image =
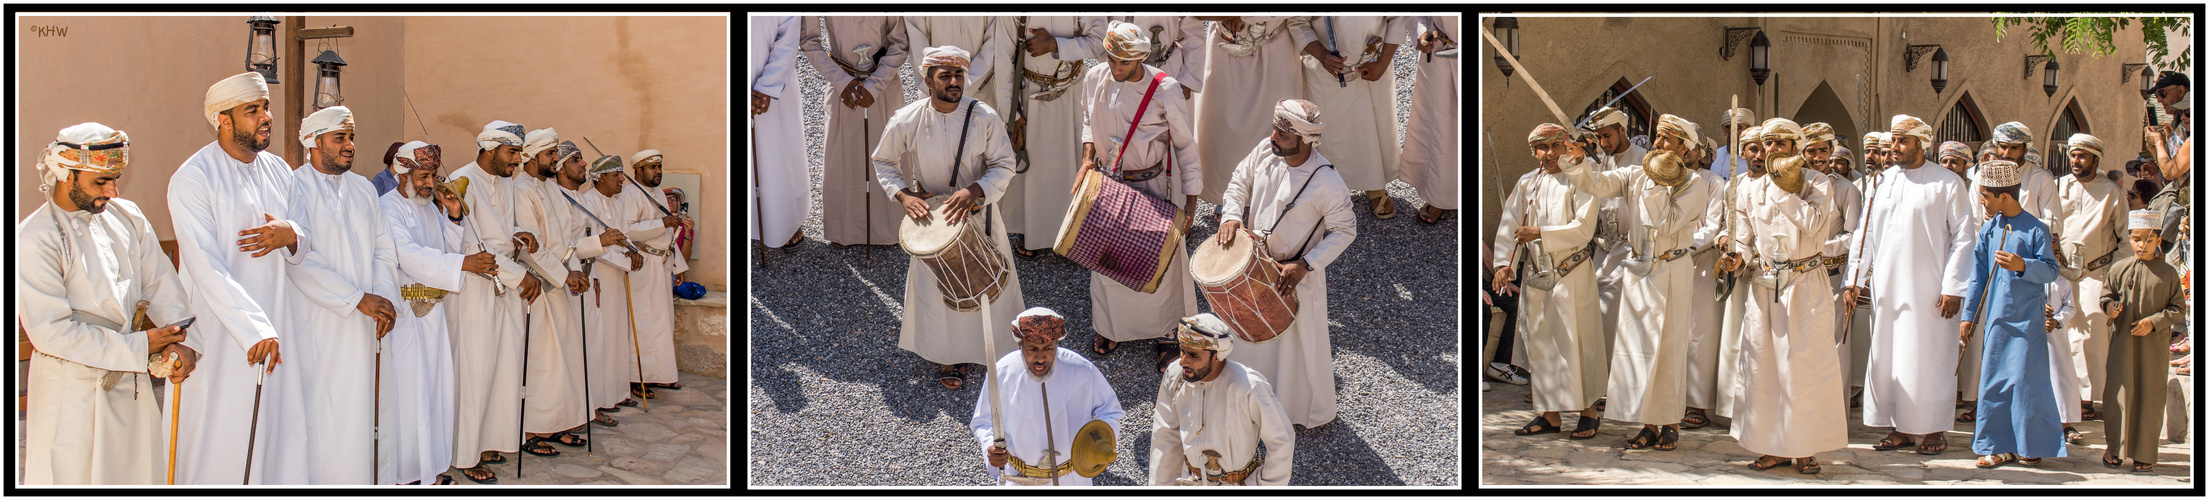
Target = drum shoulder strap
(1306,245)
(1138,120)
(959,153)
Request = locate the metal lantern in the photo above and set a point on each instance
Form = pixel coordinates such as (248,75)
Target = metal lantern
(326,82)
(260,46)
(2147,81)
(1507,31)
(2048,81)
(1760,53)
(1940,70)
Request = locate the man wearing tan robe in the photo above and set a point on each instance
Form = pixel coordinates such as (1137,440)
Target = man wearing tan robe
(1429,160)
(1355,53)
(863,91)
(1250,64)
(1047,125)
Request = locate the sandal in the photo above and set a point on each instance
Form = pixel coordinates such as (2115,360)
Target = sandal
(2087,412)
(1599,403)
(487,478)
(445,480)
(1695,419)
(569,440)
(1997,460)
(2138,466)
(1767,462)
(1020,246)
(605,421)
(537,443)
(1968,416)
(2111,461)
(949,376)
(1538,426)
(2029,461)
(672,387)
(1384,207)
(795,239)
(1642,440)
(1934,444)
(1808,465)
(1103,346)
(1895,441)
(1668,438)
(639,391)
(632,403)
(492,457)
(1430,215)
(1588,425)
(2073,436)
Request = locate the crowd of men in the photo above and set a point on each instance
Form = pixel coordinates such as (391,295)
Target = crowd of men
(1229,112)
(430,325)
(1672,281)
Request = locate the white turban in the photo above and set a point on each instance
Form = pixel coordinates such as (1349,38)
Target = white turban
(71,150)
(1902,125)
(1124,40)
(237,90)
(1741,117)
(407,152)
(330,119)
(647,155)
(1299,116)
(948,55)
(1606,117)
(1206,332)
(2091,144)
(497,133)
(539,140)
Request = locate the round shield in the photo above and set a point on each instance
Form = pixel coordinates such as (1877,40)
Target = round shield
(1094,448)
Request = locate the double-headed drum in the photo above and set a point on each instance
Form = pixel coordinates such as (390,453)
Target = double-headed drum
(1119,232)
(961,257)
(1238,281)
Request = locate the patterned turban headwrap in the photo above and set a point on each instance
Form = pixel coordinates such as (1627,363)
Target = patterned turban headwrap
(330,119)
(1841,152)
(1956,149)
(413,155)
(2012,133)
(1606,117)
(1999,174)
(1709,149)
(1298,116)
(1124,40)
(538,141)
(1677,127)
(2032,159)
(566,150)
(1641,141)
(237,90)
(1665,167)
(649,155)
(88,146)
(1039,323)
(1817,132)
(2144,219)
(2091,144)
(1874,140)
(1782,128)
(1206,332)
(499,133)
(1545,133)
(1910,126)
(605,165)
(947,55)
(1752,134)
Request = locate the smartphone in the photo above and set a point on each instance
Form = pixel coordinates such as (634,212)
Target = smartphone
(187,323)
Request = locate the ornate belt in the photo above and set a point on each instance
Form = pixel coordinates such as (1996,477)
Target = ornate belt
(648,249)
(1138,175)
(851,70)
(2103,261)
(418,291)
(1233,477)
(1574,260)
(1833,265)
(1799,265)
(1675,253)
(1061,470)
(1056,83)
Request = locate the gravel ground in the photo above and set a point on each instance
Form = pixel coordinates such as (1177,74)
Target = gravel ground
(833,401)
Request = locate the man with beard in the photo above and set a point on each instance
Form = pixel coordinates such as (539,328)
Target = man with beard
(1557,325)
(1057,393)
(487,355)
(2038,193)
(1357,53)
(348,286)
(859,56)
(1848,205)
(1216,413)
(1610,238)
(232,205)
(83,266)
(1048,126)
(1917,246)
(1307,228)
(1728,352)
(1157,160)
(975,173)
(649,224)
(602,253)
(2090,225)
(425,223)
(555,381)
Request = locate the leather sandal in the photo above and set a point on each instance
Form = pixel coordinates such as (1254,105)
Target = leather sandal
(1968,416)
(492,457)
(1668,438)
(1695,419)
(1767,462)
(1934,444)
(947,375)
(2111,461)
(1642,440)
(536,446)
(487,478)
(1808,465)
(2138,466)
(1538,426)
(2073,436)
(1588,425)
(1996,460)
(1892,443)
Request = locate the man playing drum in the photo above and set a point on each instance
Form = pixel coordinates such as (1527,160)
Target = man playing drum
(971,160)
(1304,232)
(1155,156)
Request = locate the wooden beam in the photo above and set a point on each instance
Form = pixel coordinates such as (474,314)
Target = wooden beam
(295,82)
(330,32)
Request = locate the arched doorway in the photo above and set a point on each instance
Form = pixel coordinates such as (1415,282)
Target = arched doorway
(1962,123)
(1824,105)
(2068,121)
(1640,119)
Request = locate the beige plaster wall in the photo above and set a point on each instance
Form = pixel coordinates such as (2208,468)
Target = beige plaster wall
(1576,59)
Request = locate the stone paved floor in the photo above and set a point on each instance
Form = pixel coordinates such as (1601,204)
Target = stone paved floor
(682,441)
(1708,456)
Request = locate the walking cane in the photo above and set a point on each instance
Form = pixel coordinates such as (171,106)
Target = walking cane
(176,396)
(866,153)
(590,413)
(757,226)
(376,470)
(1963,346)
(520,418)
(643,393)
(260,376)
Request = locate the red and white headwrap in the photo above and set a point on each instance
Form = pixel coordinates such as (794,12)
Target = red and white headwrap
(1124,40)
(413,155)
(1298,116)
(1545,133)
(1038,324)
(88,146)
(948,55)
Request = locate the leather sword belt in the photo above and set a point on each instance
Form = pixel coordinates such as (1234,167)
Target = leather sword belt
(2103,261)
(1143,175)
(1804,264)
(1574,260)
(1061,470)
(1055,84)
(418,291)
(648,249)
(1232,477)
(1833,265)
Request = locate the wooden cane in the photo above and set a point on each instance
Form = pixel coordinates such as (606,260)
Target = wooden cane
(521,417)
(590,413)
(376,470)
(253,433)
(1963,346)
(756,217)
(176,398)
(644,393)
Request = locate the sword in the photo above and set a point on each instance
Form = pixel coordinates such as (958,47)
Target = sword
(1050,452)
(1582,125)
(594,218)
(663,210)
(1330,20)
(996,416)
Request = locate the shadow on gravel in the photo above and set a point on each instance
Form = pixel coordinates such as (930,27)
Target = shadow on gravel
(1338,449)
